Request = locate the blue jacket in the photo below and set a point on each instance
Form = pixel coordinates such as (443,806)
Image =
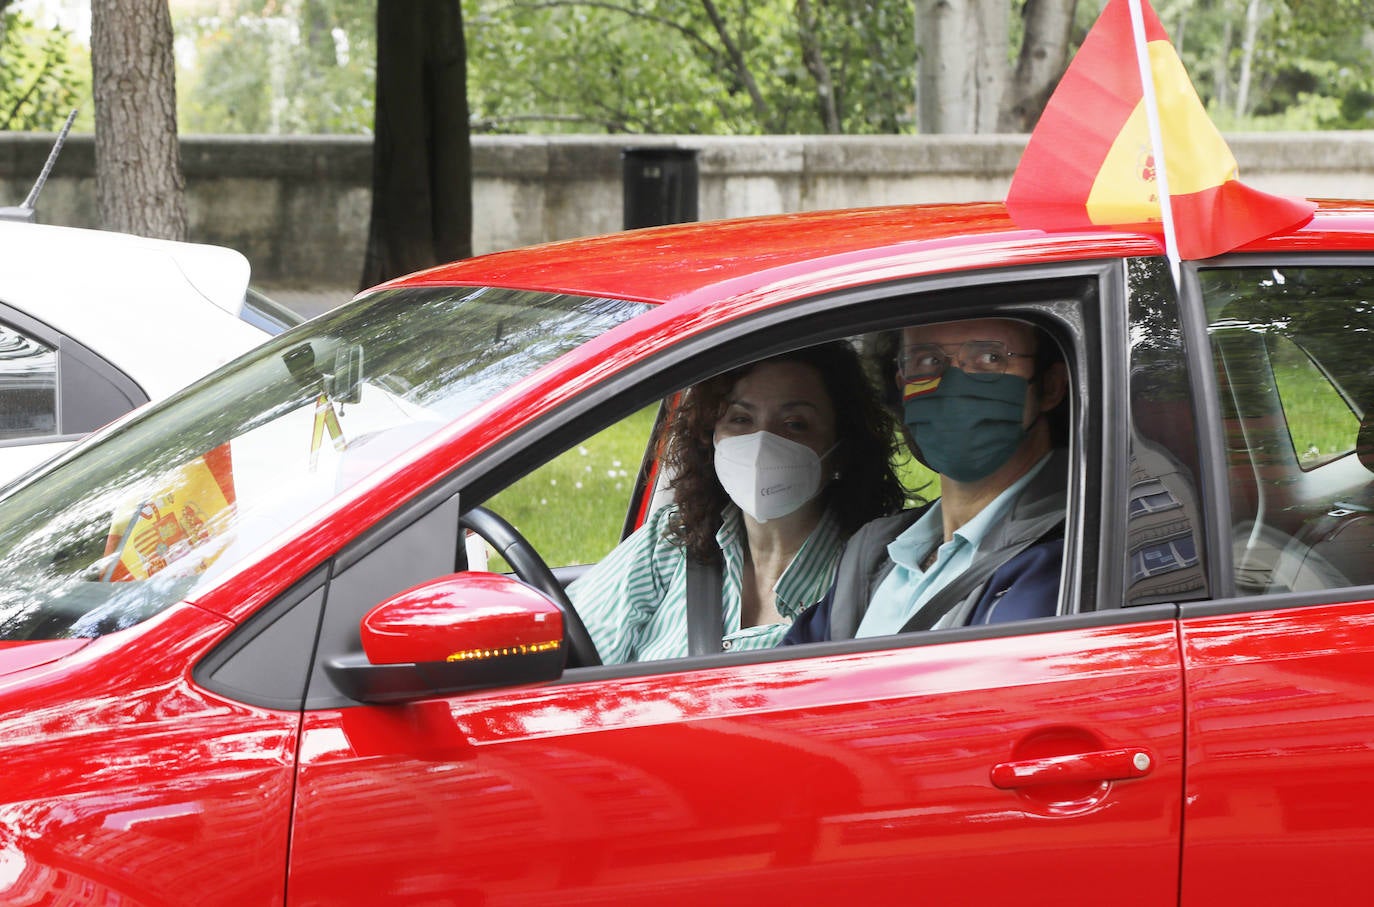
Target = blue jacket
(1025,586)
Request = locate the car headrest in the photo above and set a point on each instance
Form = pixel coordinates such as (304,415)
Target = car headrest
(1364,441)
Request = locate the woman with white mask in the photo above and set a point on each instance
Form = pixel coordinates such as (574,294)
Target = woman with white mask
(774,465)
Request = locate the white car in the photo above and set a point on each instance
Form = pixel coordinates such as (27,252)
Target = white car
(94,324)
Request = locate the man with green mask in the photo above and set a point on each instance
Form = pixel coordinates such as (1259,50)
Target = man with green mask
(976,399)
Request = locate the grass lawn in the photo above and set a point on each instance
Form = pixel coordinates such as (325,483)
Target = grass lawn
(1320,423)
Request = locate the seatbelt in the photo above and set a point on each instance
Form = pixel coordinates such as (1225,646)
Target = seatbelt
(944,601)
(705,620)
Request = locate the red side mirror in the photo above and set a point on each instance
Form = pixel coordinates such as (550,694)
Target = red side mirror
(459,632)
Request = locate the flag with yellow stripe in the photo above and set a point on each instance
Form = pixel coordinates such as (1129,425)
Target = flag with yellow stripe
(194,504)
(919,387)
(1090,161)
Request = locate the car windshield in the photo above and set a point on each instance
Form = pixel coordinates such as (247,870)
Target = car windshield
(139,519)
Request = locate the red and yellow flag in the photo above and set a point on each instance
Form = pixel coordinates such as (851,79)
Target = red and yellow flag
(1091,162)
(919,388)
(194,505)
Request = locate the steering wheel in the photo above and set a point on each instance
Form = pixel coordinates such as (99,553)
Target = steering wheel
(531,569)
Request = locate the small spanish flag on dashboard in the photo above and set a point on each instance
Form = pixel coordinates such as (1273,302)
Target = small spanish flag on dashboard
(1091,161)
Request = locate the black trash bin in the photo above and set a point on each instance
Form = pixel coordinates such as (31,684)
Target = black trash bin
(660,186)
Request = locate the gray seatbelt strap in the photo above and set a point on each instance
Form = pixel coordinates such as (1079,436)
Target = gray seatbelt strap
(944,601)
(705,621)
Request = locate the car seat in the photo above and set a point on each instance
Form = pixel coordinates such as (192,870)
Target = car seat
(1336,549)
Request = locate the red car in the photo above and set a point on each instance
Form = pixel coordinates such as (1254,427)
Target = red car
(245,661)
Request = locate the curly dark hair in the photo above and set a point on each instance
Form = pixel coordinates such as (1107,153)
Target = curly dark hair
(865,488)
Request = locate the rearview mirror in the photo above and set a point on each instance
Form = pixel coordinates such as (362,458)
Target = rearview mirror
(461,632)
(345,385)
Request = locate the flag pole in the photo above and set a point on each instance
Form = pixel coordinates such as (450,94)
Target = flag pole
(1147,88)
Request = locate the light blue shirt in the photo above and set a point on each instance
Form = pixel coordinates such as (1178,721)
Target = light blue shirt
(907,587)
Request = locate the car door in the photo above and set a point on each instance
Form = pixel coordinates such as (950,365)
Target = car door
(865,774)
(1281,710)
(1039,761)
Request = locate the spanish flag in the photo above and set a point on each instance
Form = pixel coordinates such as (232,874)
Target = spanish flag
(919,388)
(1091,161)
(194,503)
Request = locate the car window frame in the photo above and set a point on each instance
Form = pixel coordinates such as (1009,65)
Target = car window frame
(1088,323)
(33,382)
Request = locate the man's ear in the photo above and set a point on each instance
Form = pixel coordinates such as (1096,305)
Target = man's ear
(1054,386)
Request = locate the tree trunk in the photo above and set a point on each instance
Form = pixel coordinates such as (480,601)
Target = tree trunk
(1254,12)
(1221,65)
(139,186)
(1040,65)
(814,57)
(422,150)
(738,65)
(961,71)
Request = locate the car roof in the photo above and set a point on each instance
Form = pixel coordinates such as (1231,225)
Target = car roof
(166,312)
(714,260)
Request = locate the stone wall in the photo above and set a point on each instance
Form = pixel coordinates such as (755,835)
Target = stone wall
(298,206)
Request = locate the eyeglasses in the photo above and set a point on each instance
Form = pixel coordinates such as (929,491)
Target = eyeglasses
(979,359)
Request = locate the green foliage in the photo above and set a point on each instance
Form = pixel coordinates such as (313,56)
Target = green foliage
(644,66)
(724,67)
(1312,61)
(285,67)
(44,74)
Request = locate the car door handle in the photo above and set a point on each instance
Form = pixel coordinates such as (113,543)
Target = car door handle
(1102,765)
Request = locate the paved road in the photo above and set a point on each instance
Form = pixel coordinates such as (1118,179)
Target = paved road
(309,301)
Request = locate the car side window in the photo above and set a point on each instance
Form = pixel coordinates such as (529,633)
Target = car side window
(573,509)
(1292,347)
(28,386)
(1322,426)
(636,601)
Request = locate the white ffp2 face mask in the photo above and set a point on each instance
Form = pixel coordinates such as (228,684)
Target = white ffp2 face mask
(767,476)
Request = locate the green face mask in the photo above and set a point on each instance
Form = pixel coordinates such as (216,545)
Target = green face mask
(967,428)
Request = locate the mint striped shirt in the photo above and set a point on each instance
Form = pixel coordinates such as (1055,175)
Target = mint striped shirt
(634,601)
